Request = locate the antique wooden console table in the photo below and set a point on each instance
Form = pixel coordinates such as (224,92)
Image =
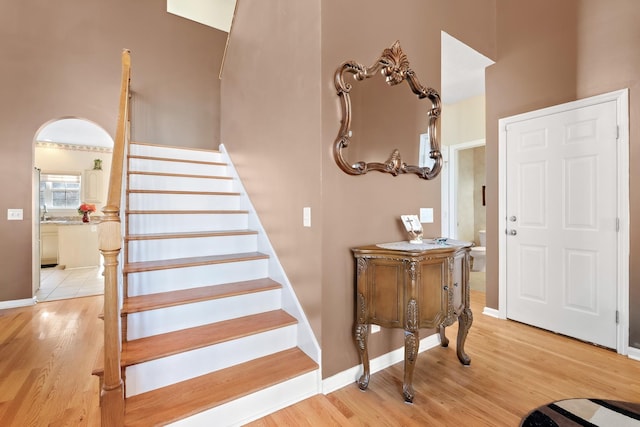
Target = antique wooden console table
(412,286)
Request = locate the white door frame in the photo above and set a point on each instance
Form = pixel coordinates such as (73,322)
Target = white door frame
(621,97)
(450,187)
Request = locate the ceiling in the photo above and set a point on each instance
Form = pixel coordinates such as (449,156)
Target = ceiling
(214,13)
(462,70)
(73,131)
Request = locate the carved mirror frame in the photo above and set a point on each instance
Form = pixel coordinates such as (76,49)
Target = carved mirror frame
(394,65)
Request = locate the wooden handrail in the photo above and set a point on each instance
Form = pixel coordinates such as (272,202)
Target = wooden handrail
(110,238)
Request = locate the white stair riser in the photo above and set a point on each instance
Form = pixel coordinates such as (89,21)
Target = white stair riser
(174,153)
(256,405)
(162,166)
(154,322)
(178,183)
(158,373)
(185,223)
(183,202)
(157,249)
(151,282)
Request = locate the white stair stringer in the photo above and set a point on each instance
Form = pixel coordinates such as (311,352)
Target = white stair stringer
(168,370)
(306,338)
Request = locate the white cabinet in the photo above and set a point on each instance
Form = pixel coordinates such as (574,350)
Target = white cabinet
(92,186)
(48,244)
(78,246)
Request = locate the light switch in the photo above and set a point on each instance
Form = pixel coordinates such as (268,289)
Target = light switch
(14,214)
(306,217)
(426,215)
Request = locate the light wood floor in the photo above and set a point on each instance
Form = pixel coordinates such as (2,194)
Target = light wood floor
(47,353)
(514,368)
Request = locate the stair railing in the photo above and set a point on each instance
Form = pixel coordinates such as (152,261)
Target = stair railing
(110,237)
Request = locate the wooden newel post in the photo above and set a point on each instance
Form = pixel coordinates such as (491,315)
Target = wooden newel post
(112,393)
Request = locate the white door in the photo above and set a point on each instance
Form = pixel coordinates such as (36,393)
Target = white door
(561,210)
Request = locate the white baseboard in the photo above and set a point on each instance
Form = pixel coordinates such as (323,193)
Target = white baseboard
(350,375)
(491,312)
(18,303)
(633,353)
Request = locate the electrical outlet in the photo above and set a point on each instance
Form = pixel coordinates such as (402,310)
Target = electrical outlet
(375,329)
(14,214)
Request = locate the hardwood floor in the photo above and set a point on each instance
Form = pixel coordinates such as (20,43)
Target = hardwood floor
(514,368)
(47,353)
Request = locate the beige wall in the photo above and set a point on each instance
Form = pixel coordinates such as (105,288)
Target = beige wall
(583,48)
(609,59)
(360,210)
(471,213)
(62,59)
(535,67)
(464,121)
(479,177)
(281,115)
(270,98)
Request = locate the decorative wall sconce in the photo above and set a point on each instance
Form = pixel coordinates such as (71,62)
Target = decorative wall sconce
(394,65)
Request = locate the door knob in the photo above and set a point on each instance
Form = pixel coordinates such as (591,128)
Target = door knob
(512,232)
(512,218)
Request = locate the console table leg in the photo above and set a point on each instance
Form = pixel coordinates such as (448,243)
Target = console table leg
(464,323)
(362,335)
(411,344)
(444,341)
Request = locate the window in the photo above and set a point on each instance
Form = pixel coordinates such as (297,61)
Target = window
(59,191)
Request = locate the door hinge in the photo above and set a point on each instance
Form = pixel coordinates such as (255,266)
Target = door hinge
(617,317)
(617,132)
(617,224)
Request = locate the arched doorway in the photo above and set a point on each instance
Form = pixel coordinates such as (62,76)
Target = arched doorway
(72,160)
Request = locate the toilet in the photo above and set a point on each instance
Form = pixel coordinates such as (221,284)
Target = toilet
(478,252)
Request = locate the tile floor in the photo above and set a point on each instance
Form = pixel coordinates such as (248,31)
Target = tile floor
(477,281)
(59,283)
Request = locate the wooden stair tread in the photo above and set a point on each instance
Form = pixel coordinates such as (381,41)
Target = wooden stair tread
(98,363)
(166,264)
(195,193)
(177,147)
(176,212)
(168,159)
(187,398)
(158,346)
(188,234)
(168,299)
(179,175)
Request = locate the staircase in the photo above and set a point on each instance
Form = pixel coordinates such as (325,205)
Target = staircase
(212,332)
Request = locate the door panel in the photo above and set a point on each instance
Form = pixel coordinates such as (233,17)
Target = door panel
(561,219)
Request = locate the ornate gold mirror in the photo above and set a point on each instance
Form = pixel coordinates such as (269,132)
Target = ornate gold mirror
(394,66)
